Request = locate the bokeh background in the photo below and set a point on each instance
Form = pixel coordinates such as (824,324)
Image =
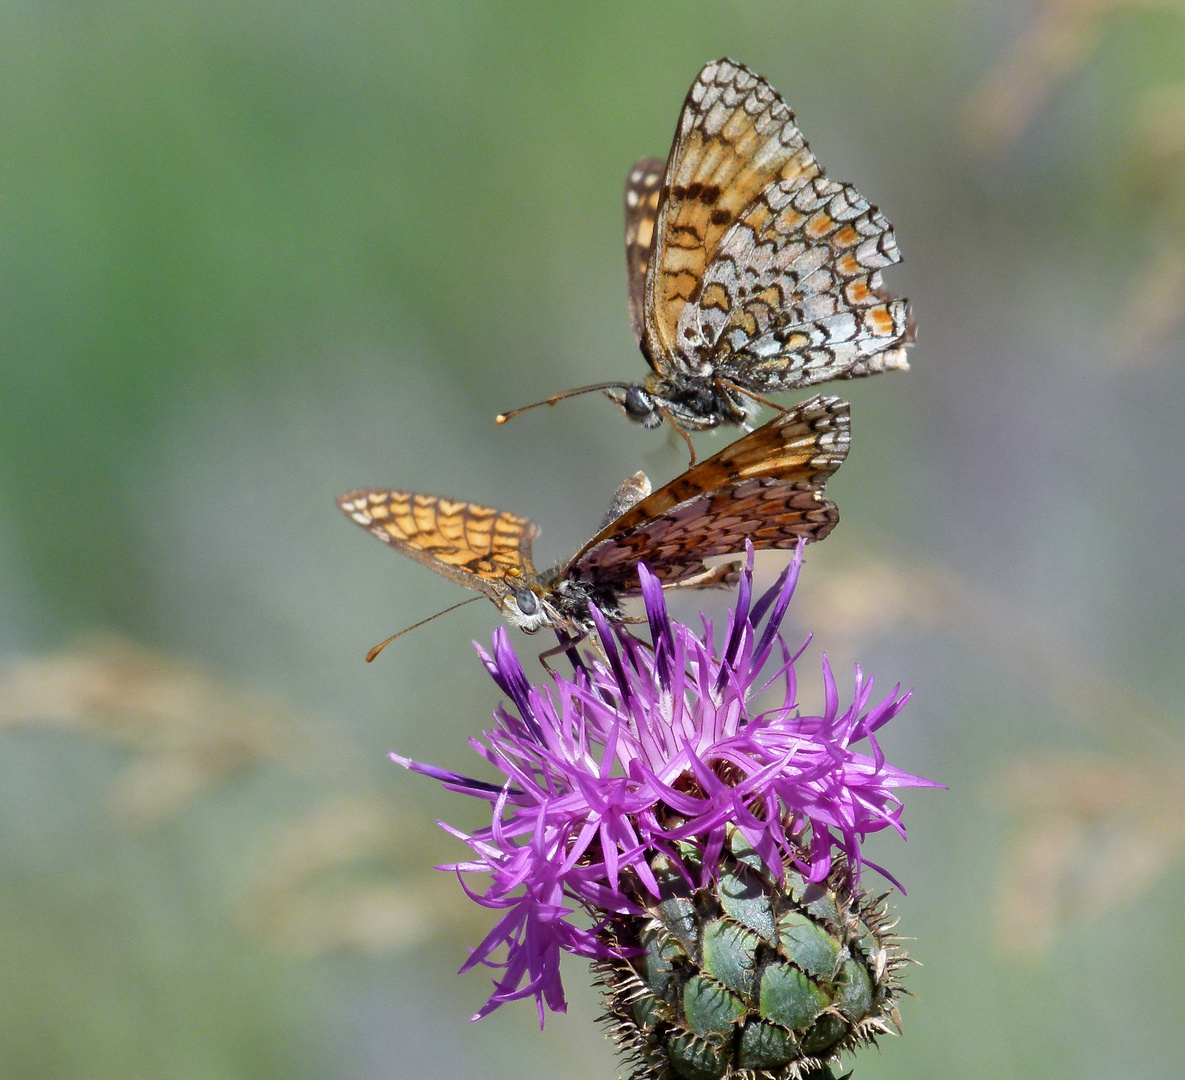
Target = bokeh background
(254,254)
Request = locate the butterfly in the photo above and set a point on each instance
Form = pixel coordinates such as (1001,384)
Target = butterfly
(766,487)
(749,271)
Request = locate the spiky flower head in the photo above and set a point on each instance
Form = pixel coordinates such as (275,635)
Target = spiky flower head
(655,775)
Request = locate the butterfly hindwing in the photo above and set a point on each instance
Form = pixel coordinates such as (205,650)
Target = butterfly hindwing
(735,136)
(475,546)
(794,294)
(766,487)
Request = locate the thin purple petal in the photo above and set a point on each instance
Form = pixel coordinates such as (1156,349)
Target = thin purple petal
(655,750)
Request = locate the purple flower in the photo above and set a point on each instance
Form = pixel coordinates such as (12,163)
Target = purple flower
(657,750)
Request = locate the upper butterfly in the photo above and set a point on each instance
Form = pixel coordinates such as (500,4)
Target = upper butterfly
(749,271)
(766,487)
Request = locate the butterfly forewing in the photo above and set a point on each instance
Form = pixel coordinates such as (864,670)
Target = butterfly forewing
(473,545)
(735,136)
(642,187)
(767,487)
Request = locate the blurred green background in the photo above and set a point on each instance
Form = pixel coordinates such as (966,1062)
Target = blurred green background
(255,254)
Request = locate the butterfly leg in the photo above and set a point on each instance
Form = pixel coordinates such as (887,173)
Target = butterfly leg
(682,434)
(567,645)
(714,577)
(730,385)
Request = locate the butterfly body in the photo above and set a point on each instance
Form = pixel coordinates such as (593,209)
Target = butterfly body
(766,488)
(749,271)
(692,402)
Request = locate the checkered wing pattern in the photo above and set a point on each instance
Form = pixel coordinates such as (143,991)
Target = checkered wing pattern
(475,546)
(766,487)
(764,271)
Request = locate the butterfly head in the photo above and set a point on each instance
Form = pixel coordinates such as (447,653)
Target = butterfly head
(528,609)
(637,403)
(691,403)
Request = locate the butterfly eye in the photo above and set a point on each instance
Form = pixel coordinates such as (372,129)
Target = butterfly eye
(527,601)
(638,403)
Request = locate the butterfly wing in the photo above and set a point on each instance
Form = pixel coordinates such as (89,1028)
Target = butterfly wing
(473,545)
(794,294)
(766,487)
(735,137)
(642,188)
(765,272)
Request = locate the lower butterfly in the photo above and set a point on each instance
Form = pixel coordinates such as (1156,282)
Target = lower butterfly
(766,488)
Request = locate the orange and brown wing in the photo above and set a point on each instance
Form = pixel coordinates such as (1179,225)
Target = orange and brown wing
(735,136)
(642,188)
(766,487)
(473,545)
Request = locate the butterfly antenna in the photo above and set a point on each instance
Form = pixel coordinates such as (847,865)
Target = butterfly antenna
(501,418)
(383,644)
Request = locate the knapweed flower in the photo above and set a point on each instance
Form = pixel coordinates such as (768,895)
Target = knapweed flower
(668,813)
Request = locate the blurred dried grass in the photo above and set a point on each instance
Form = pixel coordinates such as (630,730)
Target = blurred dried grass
(1156,306)
(335,877)
(1060,39)
(189,733)
(875,598)
(1094,836)
(330,882)
(1094,832)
